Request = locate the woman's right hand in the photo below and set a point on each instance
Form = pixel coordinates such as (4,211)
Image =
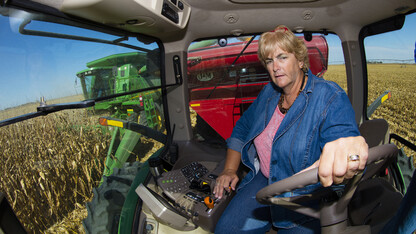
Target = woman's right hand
(227,180)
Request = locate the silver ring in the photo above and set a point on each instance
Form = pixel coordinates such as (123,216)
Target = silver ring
(354,157)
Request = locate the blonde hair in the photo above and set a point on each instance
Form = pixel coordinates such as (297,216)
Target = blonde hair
(283,38)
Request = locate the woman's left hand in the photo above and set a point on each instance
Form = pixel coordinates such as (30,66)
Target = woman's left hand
(339,160)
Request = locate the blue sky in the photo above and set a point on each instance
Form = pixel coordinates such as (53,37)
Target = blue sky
(42,66)
(389,47)
(400,44)
(48,67)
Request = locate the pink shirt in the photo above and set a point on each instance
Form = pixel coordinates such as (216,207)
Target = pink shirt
(264,141)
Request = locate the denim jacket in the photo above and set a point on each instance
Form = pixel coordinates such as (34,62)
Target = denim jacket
(321,113)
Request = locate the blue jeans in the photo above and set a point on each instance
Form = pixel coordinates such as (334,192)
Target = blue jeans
(405,219)
(245,215)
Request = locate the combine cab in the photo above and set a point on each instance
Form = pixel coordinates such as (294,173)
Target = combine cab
(224,81)
(117,74)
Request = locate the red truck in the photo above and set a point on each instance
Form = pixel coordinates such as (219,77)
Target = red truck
(222,87)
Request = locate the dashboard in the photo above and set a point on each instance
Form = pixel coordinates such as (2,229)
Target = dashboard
(185,200)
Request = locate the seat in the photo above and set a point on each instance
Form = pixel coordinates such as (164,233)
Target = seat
(375,132)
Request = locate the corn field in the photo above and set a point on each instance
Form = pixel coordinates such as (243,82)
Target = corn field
(49,166)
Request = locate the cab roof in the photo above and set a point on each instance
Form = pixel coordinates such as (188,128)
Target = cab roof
(213,18)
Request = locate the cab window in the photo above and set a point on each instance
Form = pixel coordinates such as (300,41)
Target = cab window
(51,163)
(391,79)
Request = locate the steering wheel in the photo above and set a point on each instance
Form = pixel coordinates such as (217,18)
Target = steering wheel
(333,214)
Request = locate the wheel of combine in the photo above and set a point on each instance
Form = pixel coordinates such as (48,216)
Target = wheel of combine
(406,167)
(105,208)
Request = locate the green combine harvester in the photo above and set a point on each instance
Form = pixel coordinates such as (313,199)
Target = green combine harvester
(116,74)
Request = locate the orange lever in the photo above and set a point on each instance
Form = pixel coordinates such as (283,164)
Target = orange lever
(209,202)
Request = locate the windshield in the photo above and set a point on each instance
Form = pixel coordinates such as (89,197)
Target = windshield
(51,163)
(96,82)
(50,70)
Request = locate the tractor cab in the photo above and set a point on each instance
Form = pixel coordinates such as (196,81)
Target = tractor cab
(114,114)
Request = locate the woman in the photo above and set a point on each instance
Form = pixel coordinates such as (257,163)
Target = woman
(298,121)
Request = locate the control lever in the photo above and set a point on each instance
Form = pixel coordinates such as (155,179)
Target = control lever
(156,167)
(209,202)
(200,186)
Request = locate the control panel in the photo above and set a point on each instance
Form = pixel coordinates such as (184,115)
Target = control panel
(189,191)
(171,9)
(177,182)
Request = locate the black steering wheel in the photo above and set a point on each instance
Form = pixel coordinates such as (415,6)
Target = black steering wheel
(333,214)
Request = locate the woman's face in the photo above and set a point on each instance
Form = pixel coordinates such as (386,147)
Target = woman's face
(284,68)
